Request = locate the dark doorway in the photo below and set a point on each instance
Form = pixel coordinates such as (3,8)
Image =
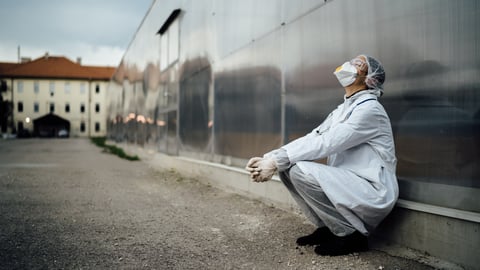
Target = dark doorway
(50,126)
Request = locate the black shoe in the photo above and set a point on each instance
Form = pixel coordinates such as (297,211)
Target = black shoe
(354,242)
(319,236)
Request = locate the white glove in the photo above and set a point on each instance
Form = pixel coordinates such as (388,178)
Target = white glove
(252,167)
(261,169)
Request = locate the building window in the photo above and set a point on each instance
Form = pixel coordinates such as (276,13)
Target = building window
(52,107)
(163,52)
(67,87)
(20,106)
(67,108)
(36,107)
(173,41)
(20,87)
(97,126)
(3,86)
(36,87)
(97,89)
(82,108)
(97,107)
(82,88)
(82,127)
(169,40)
(52,89)
(20,126)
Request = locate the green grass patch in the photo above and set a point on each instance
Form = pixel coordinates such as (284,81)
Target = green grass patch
(112,149)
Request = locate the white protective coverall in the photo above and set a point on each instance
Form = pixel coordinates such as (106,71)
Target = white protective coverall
(357,188)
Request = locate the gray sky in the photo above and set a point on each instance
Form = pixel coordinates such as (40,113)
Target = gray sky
(98,31)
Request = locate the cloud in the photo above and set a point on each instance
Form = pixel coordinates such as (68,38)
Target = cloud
(94,30)
(96,55)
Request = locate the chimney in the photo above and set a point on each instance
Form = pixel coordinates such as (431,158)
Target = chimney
(25,60)
(46,55)
(79,60)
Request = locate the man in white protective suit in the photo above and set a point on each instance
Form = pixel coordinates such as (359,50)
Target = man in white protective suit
(357,188)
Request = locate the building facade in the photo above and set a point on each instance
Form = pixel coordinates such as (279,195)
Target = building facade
(57,86)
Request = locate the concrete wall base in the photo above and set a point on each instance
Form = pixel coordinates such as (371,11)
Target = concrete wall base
(433,237)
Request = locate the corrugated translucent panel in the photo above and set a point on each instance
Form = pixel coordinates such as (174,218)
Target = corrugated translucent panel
(252,75)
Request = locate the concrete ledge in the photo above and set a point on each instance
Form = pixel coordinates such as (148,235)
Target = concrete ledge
(228,178)
(435,236)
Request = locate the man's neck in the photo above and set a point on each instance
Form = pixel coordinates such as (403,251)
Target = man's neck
(353,89)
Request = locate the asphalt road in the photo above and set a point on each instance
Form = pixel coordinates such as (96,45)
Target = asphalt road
(66,205)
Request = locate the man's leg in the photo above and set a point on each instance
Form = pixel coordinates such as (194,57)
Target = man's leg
(314,204)
(307,211)
(318,208)
(313,195)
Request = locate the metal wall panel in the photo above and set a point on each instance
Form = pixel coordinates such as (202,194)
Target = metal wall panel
(248,100)
(252,75)
(196,109)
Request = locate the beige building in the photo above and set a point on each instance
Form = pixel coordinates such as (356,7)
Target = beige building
(50,95)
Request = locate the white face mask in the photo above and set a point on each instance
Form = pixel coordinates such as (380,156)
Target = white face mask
(346,74)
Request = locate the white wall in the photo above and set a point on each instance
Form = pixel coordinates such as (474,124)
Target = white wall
(64,92)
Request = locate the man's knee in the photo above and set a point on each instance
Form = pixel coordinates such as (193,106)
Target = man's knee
(298,175)
(295,171)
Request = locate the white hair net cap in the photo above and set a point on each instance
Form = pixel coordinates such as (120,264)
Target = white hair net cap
(375,76)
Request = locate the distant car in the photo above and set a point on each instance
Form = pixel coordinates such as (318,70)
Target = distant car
(63,133)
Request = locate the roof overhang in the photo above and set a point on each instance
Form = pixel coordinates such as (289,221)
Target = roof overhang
(169,21)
